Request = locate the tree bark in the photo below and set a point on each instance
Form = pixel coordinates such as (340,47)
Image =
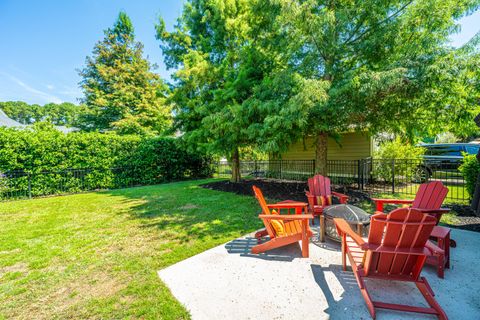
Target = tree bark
(235,166)
(321,154)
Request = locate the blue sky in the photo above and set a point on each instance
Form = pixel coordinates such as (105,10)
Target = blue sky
(44,42)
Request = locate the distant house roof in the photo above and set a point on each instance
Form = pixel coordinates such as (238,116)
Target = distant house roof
(5,121)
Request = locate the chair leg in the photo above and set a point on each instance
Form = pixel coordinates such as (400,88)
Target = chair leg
(366,296)
(440,266)
(261,233)
(305,239)
(322,228)
(344,252)
(425,290)
(448,242)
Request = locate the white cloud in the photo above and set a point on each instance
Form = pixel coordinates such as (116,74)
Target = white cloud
(38,93)
(50,86)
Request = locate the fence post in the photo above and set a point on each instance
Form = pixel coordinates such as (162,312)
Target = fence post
(393,175)
(29,185)
(359,174)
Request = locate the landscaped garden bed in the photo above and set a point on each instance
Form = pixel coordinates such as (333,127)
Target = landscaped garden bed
(461,216)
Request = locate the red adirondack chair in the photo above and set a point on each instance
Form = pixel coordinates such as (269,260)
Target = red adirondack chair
(295,226)
(395,251)
(319,186)
(429,199)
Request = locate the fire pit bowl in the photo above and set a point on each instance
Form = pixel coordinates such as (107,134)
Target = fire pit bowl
(358,219)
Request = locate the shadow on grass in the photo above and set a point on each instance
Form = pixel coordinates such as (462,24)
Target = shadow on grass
(184,212)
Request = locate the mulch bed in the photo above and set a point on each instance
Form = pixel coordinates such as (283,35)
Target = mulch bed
(294,190)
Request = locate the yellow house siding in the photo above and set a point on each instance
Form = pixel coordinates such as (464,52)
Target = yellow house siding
(353,146)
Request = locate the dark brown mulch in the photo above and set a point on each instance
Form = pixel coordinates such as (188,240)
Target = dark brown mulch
(466,216)
(279,189)
(293,190)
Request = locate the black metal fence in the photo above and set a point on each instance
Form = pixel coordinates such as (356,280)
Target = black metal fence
(379,176)
(21,184)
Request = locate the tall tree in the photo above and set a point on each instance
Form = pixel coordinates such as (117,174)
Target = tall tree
(365,65)
(218,62)
(121,92)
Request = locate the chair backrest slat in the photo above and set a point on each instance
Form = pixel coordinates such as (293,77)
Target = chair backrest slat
(404,229)
(319,185)
(430,195)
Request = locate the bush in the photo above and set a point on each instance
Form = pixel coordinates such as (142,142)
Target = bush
(399,156)
(104,160)
(470,169)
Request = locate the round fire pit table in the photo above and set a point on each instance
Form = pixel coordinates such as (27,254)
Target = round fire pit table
(358,219)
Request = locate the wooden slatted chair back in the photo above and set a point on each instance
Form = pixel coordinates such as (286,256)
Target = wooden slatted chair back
(261,200)
(399,238)
(265,210)
(319,185)
(430,195)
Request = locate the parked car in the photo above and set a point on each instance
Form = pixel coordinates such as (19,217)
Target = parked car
(444,157)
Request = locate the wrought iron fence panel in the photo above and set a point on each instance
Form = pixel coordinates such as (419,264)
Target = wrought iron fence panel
(376,176)
(21,184)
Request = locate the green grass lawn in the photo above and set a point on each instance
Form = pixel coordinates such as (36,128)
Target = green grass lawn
(96,255)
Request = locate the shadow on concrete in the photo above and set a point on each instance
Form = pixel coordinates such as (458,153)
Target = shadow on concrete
(351,301)
(350,296)
(243,247)
(327,245)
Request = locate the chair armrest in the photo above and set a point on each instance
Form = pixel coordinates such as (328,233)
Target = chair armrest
(288,205)
(344,228)
(285,216)
(433,248)
(380,202)
(342,197)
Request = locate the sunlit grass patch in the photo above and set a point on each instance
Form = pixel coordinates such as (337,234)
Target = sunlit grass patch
(96,255)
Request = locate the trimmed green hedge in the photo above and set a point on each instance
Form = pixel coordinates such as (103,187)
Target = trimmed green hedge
(100,161)
(405,166)
(470,169)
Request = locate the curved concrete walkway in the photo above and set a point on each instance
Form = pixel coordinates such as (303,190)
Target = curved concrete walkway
(227,282)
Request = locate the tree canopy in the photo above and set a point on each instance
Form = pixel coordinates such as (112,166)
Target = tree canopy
(369,65)
(62,114)
(265,73)
(218,62)
(121,91)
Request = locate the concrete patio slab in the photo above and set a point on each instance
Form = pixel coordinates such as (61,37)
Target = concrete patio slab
(228,282)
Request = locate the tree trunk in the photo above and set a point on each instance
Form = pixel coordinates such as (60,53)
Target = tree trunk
(321,154)
(235,166)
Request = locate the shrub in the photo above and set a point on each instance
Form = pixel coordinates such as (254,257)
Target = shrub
(105,160)
(470,170)
(399,156)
